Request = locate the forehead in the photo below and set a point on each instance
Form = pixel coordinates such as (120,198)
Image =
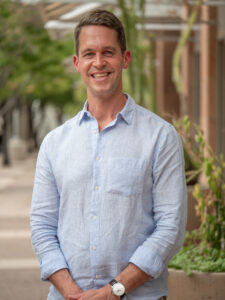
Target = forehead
(93,35)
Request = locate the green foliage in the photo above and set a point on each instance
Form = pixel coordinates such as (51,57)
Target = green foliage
(31,64)
(204,248)
(192,258)
(141,71)
(11,42)
(192,160)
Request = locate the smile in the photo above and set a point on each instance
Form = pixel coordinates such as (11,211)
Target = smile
(100,75)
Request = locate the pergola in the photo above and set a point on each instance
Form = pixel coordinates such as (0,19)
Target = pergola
(61,16)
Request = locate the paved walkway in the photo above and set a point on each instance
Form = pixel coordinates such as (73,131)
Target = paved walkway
(19,268)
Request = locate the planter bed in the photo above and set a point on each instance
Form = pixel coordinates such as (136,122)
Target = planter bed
(198,286)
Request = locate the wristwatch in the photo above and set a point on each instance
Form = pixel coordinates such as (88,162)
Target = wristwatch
(118,289)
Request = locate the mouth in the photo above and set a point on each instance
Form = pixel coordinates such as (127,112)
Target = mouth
(100,75)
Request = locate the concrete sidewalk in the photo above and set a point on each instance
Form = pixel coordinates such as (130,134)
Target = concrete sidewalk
(19,268)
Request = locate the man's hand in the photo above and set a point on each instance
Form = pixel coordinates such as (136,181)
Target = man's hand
(104,293)
(64,283)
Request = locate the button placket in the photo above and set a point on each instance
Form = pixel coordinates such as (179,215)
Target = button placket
(95,202)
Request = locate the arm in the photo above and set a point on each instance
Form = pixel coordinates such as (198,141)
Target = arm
(132,277)
(169,206)
(64,283)
(44,217)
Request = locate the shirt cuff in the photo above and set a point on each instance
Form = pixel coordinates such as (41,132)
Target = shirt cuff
(52,262)
(148,261)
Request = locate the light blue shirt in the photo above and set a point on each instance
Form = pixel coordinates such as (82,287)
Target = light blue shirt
(104,199)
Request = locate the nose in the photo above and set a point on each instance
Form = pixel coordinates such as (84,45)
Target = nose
(99,61)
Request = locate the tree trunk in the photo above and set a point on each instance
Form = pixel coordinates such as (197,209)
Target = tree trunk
(32,132)
(60,115)
(5,139)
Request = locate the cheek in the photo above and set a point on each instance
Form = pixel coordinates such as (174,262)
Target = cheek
(83,67)
(119,67)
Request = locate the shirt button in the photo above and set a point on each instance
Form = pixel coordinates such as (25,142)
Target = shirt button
(97,276)
(96,187)
(97,158)
(95,217)
(94,248)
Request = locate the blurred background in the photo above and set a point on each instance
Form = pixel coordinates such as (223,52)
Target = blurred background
(177,71)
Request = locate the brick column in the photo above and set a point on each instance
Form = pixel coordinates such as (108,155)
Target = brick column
(168,104)
(208,74)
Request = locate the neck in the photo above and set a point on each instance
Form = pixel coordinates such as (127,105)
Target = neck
(105,110)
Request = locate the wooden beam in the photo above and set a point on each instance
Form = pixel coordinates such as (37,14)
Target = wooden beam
(49,7)
(64,8)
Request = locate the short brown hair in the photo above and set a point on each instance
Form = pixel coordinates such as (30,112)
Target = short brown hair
(102,18)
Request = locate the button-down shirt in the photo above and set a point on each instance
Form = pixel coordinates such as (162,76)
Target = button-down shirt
(104,199)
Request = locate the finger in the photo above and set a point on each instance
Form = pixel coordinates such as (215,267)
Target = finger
(73,297)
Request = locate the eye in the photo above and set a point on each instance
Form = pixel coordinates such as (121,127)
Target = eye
(88,54)
(108,53)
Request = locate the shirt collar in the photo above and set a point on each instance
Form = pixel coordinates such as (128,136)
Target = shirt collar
(126,113)
(83,114)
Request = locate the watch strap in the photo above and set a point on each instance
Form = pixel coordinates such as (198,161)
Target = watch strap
(112,282)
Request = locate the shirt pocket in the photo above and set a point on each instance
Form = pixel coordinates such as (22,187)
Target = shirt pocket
(125,176)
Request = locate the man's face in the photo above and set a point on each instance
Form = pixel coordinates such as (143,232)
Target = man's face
(100,61)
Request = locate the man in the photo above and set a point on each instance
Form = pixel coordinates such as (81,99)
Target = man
(109,200)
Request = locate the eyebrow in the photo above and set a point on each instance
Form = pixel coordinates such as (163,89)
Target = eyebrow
(86,50)
(105,48)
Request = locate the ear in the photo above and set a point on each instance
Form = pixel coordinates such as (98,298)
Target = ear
(76,63)
(126,59)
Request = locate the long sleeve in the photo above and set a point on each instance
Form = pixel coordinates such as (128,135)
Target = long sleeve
(44,217)
(169,208)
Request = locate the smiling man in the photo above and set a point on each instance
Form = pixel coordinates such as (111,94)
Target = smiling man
(109,201)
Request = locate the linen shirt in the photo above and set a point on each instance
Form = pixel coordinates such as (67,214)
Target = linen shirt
(104,199)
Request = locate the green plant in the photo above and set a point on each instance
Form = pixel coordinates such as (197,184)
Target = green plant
(198,256)
(204,248)
(192,159)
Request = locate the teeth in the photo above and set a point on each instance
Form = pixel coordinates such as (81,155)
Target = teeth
(100,75)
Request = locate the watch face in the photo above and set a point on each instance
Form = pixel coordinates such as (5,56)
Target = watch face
(118,289)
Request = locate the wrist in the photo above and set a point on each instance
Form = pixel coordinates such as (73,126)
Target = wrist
(108,288)
(71,290)
(109,293)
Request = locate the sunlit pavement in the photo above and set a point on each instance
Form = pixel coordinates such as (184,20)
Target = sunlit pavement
(19,269)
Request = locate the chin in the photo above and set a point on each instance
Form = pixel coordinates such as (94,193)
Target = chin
(102,93)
